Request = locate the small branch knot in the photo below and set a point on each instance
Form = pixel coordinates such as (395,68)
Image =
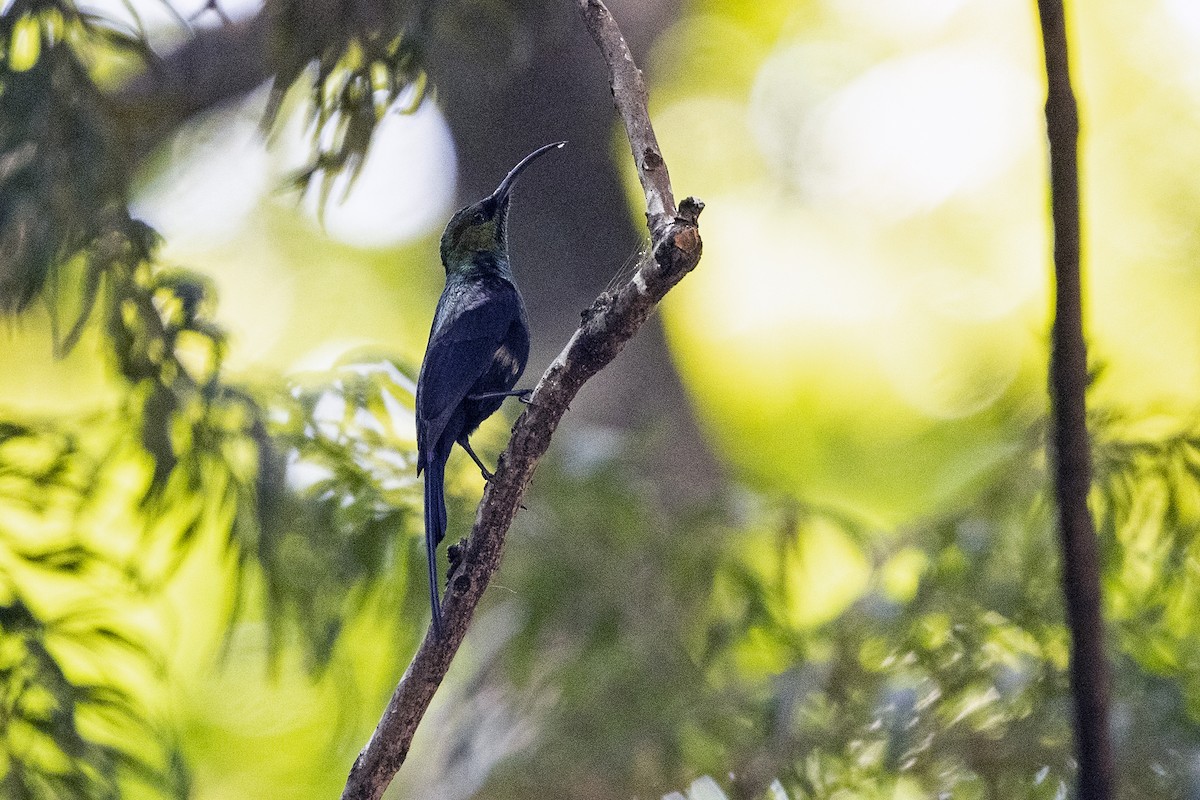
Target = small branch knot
(689,210)
(687,241)
(651,159)
(455,554)
(597,307)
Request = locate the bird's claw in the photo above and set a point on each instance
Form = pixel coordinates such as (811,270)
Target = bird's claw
(455,553)
(526,397)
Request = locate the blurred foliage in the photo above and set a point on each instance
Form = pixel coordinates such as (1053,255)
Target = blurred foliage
(65,161)
(73,668)
(71,738)
(113,507)
(348,446)
(359,60)
(62,181)
(698,647)
(99,512)
(1148,515)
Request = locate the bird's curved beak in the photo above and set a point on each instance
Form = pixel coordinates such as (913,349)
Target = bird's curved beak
(506,185)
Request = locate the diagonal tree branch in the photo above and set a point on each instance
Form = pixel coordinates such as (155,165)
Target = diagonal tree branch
(607,326)
(1071,448)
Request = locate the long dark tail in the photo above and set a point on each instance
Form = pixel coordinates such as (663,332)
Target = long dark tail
(435,531)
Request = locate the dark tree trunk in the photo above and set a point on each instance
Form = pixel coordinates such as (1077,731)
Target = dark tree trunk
(1071,448)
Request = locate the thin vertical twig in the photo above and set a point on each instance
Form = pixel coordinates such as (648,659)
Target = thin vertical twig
(1072,462)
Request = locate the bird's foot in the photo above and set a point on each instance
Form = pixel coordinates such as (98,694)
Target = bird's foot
(494,395)
(465,443)
(526,397)
(455,553)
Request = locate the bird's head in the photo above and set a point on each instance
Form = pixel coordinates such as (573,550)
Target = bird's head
(482,227)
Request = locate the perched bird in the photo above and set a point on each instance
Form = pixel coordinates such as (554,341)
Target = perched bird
(477,350)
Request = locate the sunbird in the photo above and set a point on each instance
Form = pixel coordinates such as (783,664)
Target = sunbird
(478,346)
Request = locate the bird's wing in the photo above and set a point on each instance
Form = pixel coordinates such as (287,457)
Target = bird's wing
(468,327)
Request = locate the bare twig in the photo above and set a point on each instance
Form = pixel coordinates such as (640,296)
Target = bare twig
(1071,449)
(630,98)
(611,322)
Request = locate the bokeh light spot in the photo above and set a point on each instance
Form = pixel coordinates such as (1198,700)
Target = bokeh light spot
(901,21)
(211,177)
(406,187)
(913,131)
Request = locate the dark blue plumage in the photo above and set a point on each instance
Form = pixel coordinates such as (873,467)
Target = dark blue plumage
(478,346)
